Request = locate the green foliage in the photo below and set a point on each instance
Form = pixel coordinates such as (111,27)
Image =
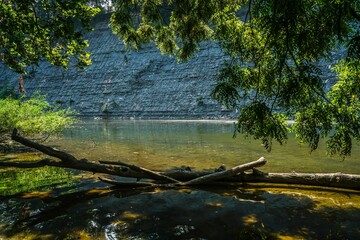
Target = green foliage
(175,26)
(273,47)
(33,116)
(35,30)
(258,121)
(338,116)
(42,179)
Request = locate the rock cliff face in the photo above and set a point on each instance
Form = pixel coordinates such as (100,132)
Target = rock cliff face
(131,84)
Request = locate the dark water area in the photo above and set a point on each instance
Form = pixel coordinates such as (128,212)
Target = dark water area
(51,203)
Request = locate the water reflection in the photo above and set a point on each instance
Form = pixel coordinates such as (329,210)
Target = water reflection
(201,145)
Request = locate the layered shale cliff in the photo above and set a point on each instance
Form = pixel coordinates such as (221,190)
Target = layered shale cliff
(131,84)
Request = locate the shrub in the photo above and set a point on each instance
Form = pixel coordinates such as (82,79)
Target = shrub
(33,116)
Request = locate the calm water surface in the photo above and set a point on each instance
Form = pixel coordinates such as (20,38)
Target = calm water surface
(201,145)
(51,203)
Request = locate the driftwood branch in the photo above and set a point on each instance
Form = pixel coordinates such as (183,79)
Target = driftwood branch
(211,177)
(127,184)
(150,173)
(226,174)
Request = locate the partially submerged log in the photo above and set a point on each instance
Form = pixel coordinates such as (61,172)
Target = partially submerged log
(338,180)
(178,178)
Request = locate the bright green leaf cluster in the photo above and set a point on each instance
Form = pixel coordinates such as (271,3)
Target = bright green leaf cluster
(32,31)
(40,179)
(33,116)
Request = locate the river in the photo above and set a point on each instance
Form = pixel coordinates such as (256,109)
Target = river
(66,204)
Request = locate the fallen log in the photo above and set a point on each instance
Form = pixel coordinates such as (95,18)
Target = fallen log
(211,177)
(176,178)
(337,180)
(334,180)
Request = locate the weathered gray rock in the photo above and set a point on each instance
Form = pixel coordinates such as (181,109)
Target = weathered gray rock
(132,84)
(123,83)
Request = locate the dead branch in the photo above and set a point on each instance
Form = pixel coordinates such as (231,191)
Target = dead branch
(127,184)
(150,173)
(227,173)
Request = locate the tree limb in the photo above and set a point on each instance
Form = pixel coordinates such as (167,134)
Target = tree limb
(63,156)
(127,184)
(226,174)
(142,170)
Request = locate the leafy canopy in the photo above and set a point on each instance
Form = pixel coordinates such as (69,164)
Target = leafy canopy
(52,30)
(272,47)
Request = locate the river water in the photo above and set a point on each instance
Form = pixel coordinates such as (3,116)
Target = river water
(198,144)
(52,203)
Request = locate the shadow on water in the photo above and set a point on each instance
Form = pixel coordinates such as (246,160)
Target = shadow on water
(217,212)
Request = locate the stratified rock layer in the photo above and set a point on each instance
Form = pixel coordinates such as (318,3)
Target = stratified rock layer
(122,83)
(130,84)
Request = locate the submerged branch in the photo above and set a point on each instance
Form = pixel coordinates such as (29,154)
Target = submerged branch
(141,170)
(127,184)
